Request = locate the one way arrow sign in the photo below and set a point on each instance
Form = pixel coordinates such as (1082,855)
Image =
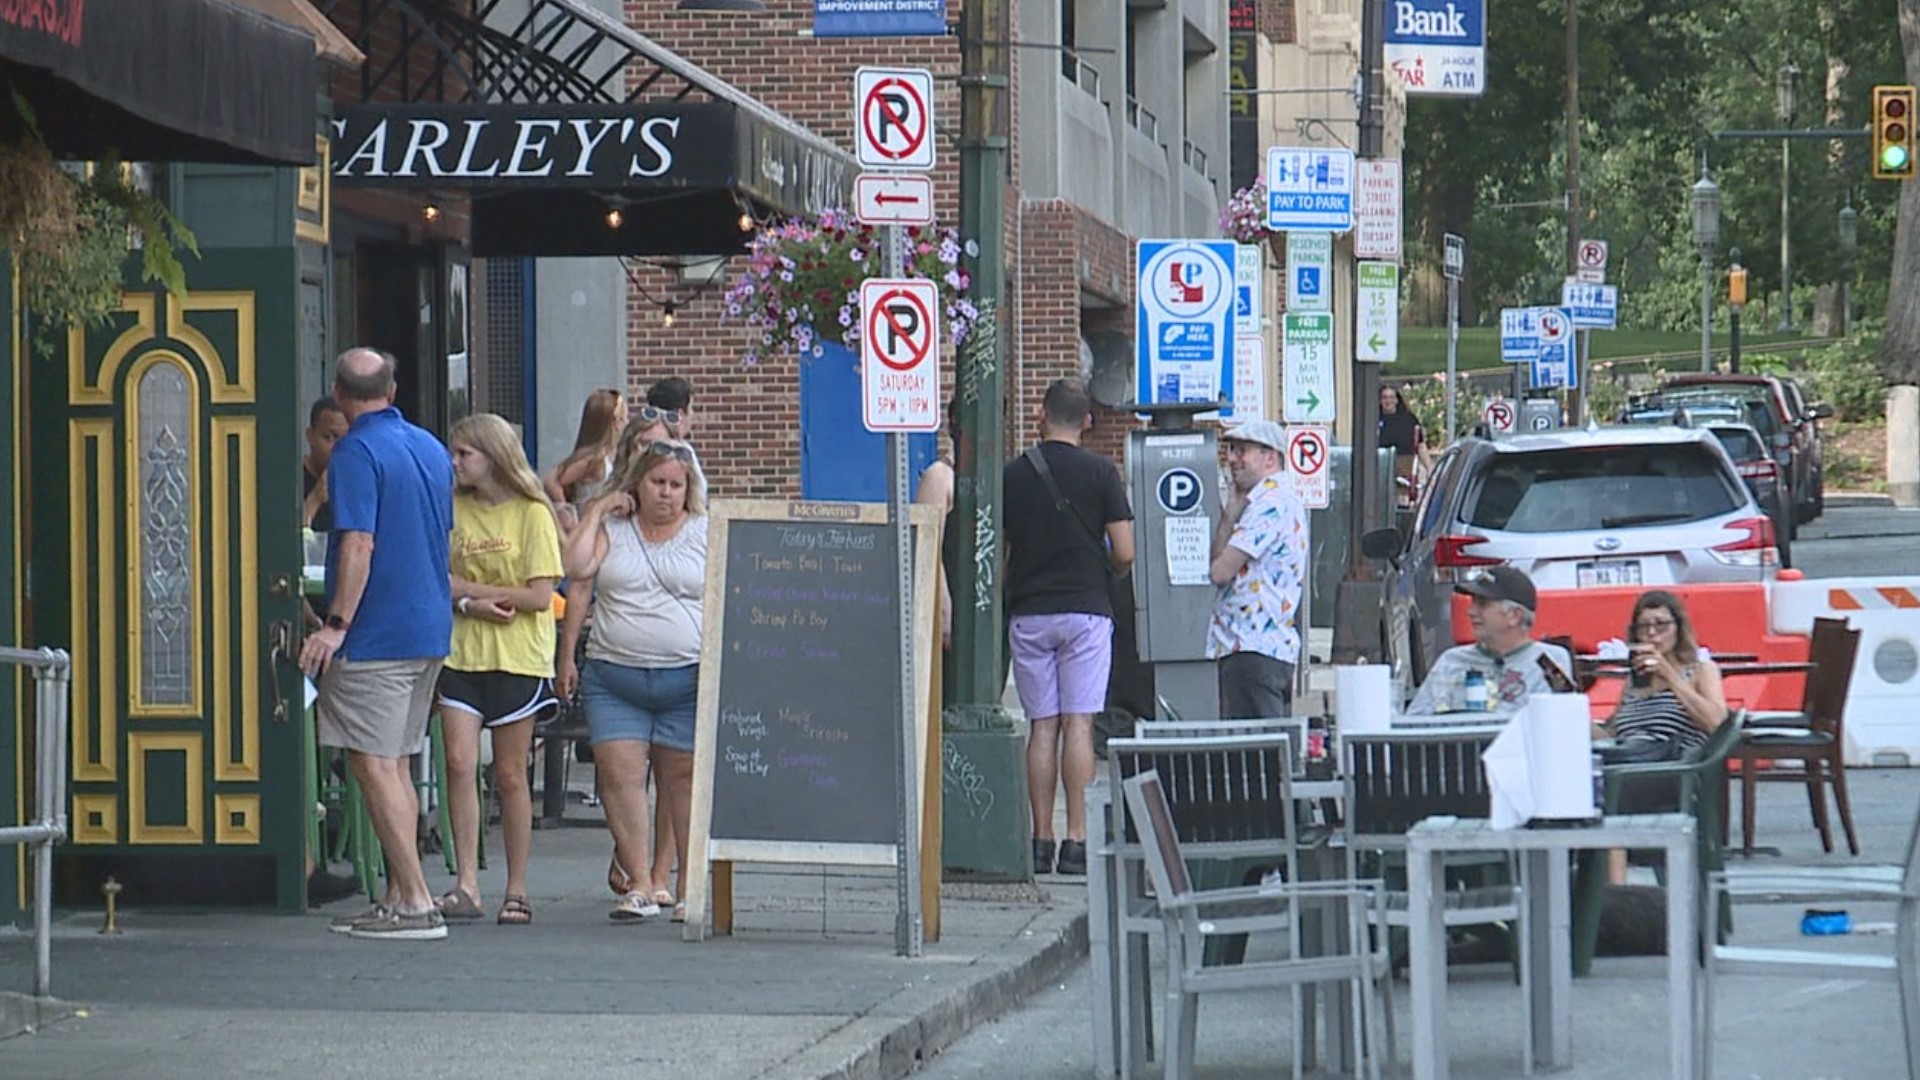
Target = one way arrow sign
(893,198)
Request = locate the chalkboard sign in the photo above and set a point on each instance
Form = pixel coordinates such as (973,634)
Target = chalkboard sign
(795,752)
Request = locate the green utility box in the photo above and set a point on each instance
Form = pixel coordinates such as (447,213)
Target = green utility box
(986,834)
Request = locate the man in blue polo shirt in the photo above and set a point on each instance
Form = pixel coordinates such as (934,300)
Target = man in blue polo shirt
(388,626)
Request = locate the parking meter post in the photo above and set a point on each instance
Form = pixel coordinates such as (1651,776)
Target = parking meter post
(1174,470)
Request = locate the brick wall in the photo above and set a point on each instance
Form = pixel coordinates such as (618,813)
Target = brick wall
(749,417)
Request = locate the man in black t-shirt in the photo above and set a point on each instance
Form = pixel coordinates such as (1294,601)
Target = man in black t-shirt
(1064,542)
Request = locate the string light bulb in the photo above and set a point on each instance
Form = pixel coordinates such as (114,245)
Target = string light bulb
(745,222)
(666,313)
(431,212)
(615,218)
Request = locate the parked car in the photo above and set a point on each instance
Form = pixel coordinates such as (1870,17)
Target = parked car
(1752,457)
(1616,506)
(1790,424)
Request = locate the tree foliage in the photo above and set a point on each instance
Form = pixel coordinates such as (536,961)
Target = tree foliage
(1657,80)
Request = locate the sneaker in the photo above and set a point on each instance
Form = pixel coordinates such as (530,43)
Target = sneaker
(633,907)
(1073,858)
(342,924)
(1043,856)
(401,926)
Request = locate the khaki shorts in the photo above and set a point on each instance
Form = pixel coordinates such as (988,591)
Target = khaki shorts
(377,707)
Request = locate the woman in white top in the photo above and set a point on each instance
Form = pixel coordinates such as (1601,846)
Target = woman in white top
(643,547)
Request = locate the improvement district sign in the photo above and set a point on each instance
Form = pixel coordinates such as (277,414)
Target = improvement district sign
(879,18)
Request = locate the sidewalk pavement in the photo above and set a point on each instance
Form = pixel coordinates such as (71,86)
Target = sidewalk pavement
(807,987)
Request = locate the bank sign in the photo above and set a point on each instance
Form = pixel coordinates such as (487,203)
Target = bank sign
(1438,47)
(610,146)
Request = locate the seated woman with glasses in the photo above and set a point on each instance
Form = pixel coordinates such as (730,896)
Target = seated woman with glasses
(1672,701)
(1674,697)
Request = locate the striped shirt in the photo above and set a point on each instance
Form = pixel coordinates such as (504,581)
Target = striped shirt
(1657,714)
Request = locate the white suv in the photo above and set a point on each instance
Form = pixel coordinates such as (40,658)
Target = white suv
(1631,506)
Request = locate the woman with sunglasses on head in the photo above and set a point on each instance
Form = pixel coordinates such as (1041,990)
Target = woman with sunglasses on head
(643,548)
(504,560)
(591,463)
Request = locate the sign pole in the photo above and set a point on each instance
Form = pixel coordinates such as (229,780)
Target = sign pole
(1453,347)
(908,927)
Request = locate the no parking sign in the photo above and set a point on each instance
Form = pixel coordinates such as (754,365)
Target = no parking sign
(1498,416)
(1306,461)
(899,354)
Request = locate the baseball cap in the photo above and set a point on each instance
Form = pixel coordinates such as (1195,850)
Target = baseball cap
(1500,583)
(1259,432)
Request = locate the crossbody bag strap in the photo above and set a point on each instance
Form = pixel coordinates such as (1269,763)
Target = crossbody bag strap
(1065,505)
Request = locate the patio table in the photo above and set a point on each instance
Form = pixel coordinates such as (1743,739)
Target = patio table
(1544,857)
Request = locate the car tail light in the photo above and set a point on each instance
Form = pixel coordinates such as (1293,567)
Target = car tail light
(1756,548)
(1450,556)
(1759,469)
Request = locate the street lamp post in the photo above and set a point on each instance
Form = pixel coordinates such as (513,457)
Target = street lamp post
(1849,230)
(1783,88)
(1706,237)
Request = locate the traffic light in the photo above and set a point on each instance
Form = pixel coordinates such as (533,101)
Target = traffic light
(1893,133)
(1737,285)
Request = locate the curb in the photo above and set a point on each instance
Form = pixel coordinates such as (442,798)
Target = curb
(902,1034)
(21,1014)
(1858,498)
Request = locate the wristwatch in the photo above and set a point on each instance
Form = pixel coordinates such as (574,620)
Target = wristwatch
(335,622)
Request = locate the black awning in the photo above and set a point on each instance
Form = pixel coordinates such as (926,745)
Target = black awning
(541,67)
(160,80)
(544,178)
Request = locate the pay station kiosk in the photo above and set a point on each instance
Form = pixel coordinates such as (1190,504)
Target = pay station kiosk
(1173,472)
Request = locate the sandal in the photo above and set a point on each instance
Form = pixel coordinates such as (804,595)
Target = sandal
(618,880)
(456,904)
(663,897)
(515,911)
(680,912)
(634,907)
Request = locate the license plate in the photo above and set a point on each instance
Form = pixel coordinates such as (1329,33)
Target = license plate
(1601,573)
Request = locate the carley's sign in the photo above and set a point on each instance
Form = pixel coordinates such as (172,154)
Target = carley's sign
(482,146)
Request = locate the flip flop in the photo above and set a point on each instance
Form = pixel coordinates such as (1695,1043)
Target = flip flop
(515,911)
(618,880)
(663,897)
(458,905)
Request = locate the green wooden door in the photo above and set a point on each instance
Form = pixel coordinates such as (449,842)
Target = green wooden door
(171,569)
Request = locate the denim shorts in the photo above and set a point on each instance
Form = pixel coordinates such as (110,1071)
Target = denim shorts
(653,705)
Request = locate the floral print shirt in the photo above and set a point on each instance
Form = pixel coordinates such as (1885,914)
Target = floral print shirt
(1256,611)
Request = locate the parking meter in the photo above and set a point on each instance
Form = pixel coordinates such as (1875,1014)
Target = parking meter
(1537,415)
(1173,471)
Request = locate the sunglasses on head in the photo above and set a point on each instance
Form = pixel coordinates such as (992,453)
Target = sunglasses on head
(662,448)
(651,414)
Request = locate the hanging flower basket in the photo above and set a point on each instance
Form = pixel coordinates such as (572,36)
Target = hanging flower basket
(801,284)
(1244,219)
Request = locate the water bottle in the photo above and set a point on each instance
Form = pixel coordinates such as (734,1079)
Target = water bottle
(1475,696)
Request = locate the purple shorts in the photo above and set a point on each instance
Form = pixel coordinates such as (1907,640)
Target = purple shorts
(1060,663)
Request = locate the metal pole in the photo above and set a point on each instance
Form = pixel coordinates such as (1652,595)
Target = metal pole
(1453,348)
(1786,237)
(1733,339)
(1366,377)
(1576,404)
(980,386)
(908,927)
(1706,312)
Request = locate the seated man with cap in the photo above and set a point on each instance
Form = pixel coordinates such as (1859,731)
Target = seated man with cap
(1504,651)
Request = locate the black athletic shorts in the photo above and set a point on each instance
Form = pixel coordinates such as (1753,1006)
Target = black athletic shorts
(497,697)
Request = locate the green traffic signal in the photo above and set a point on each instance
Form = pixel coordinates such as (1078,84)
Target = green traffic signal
(1894,158)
